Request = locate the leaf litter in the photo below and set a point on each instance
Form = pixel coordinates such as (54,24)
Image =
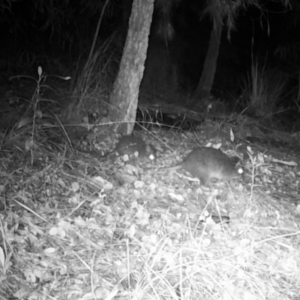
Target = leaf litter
(87,229)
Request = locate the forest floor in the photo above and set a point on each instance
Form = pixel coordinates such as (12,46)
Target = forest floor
(76,226)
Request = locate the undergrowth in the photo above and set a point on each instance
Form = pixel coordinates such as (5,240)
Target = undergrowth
(75,226)
(70,231)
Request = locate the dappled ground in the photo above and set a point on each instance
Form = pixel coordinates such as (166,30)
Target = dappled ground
(77,226)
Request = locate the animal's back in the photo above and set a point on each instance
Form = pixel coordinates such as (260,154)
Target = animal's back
(130,145)
(207,163)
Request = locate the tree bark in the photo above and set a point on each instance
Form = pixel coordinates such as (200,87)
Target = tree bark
(124,98)
(204,87)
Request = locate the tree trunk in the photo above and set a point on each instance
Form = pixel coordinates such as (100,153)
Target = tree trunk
(124,97)
(204,87)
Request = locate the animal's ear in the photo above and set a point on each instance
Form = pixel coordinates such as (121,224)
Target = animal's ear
(234,160)
(150,149)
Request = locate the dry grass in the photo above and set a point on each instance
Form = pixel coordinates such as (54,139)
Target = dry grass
(68,235)
(74,226)
(264,90)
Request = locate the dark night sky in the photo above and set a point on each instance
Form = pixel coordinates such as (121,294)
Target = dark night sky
(259,34)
